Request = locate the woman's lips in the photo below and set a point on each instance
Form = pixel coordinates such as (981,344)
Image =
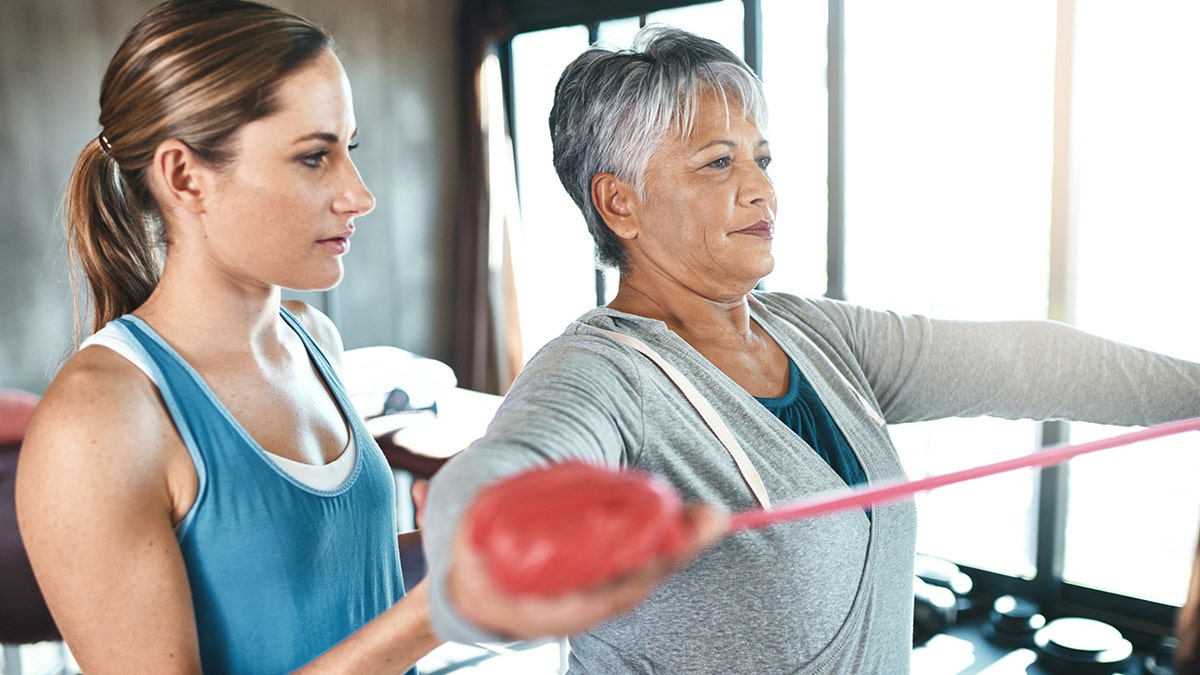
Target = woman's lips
(336,245)
(760,229)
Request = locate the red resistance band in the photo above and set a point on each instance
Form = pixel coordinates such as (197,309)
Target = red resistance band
(884,493)
(539,531)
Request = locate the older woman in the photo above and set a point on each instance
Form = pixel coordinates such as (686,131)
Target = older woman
(663,149)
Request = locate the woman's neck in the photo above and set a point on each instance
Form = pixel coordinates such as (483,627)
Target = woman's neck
(694,317)
(212,313)
(723,332)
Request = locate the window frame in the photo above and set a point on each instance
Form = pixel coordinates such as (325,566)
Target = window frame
(1144,622)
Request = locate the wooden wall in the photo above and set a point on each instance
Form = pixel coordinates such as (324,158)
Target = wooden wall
(401,60)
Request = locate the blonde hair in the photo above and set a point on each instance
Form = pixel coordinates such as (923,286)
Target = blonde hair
(194,71)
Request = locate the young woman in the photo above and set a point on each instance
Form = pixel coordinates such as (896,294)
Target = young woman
(195,491)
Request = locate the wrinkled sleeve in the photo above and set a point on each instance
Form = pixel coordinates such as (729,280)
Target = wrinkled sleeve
(923,369)
(576,399)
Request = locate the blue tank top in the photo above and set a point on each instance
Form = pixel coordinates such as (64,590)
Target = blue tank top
(279,571)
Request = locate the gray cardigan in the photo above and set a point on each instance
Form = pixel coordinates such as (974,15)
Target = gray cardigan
(826,595)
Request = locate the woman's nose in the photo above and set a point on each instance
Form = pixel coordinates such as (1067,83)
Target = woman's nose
(355,199)
(757,187)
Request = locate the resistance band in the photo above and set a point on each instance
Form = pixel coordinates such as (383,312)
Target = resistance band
(539,531)
(843,500)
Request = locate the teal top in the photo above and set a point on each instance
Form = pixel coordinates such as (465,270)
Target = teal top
(279,571)
(803,412)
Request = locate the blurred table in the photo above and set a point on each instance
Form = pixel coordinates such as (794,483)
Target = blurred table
(420,442)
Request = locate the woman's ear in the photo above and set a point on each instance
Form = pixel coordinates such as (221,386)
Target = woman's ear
(617,204)
(178,178)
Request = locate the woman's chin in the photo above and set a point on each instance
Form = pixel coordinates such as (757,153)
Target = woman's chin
(315,284)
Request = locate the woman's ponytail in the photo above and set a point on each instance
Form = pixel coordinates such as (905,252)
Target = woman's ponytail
(114,235)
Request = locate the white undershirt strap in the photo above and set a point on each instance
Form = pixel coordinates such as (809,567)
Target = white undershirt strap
(702,406)
(110,336)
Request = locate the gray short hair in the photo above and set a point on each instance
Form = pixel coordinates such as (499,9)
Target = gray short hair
(613,109)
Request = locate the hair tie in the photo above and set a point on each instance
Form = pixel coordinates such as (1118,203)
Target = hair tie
(103,140)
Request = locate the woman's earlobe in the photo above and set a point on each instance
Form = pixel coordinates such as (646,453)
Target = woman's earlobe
(615,201)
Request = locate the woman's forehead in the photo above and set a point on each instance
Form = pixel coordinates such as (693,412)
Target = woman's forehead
(711,109)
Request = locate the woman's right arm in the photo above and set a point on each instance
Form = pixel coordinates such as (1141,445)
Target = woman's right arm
(102,476)
(571,403)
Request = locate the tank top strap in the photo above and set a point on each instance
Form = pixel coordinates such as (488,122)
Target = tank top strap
(328,373)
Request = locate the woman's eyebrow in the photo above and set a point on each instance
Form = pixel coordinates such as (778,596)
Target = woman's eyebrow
(763,143)
(723,142)
(322,136)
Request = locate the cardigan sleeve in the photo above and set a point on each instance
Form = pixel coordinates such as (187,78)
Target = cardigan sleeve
(576,400)
(921,369)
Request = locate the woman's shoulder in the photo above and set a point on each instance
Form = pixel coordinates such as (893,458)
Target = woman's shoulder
(800,303)
(98,383)
(100,411)
(817,310)
(590,337)
(319,327)
(585,352)
(814,312)
(597,323)
(838,324)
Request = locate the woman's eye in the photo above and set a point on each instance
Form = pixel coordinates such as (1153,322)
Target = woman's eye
(721,163)
(764,162)
(352,147)
(314,160)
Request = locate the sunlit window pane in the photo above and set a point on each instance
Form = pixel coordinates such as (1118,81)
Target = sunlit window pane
(618,33)
(721,21)
(555,267)
(949,126)
(793,70)
(1133,513)
(989,523)
(949,129)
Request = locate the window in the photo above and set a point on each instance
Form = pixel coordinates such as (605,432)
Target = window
(948,214)
(936,180)
(554,275)
(793,47)
(1137,167)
